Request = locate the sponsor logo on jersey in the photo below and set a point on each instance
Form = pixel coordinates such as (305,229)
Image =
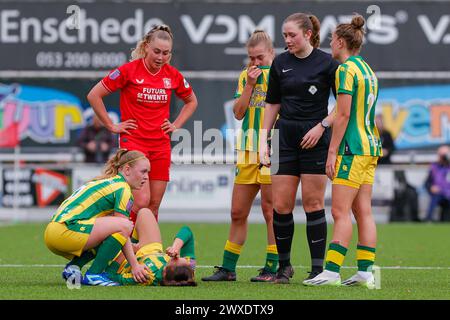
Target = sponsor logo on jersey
(141,81)
(152,95)
(167,83)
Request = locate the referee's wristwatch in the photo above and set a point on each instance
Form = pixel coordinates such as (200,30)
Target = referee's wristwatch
(325,124)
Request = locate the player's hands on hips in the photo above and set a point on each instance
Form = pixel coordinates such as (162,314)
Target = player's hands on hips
(311,138)
(168,127)
(123,127)
(253,73)
(330,167)
(140,273)
(172,252)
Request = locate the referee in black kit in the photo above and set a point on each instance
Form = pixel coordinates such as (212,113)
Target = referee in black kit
(299,88)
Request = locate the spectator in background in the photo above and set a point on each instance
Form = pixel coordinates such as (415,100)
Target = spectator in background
(438,184)
(387,143)
(96,142)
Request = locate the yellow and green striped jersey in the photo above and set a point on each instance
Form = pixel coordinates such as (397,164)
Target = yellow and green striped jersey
(153,256)
(155,261)
(95,199)
(356,78)
(248,136)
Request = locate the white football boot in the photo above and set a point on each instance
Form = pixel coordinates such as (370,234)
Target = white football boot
(359,280)
(325,278)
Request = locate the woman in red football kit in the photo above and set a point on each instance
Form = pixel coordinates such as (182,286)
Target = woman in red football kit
(146,84)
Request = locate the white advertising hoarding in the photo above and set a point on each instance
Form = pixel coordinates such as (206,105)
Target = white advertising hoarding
(199,186)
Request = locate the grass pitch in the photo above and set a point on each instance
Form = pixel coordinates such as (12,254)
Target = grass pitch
(414,261)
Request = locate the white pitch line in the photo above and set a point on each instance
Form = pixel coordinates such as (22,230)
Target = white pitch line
(31,265)
(346,267)
(239,267)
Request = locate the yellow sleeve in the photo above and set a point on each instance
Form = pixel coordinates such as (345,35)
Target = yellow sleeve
(124,200)
(241,84)
(345,80)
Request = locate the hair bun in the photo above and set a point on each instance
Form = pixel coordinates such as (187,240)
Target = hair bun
(258,31)
(358,22)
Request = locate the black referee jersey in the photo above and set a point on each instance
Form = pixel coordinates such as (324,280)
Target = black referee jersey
(302,86)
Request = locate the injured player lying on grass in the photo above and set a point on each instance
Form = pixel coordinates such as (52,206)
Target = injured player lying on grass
(175,267)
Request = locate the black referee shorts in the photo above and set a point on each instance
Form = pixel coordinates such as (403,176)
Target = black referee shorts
(291,158)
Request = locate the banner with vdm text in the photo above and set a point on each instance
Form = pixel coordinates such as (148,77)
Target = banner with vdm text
(401,36)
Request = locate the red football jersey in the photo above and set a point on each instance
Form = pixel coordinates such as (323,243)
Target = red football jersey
(145,97)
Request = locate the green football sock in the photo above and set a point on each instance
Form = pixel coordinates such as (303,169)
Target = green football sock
(187,236)
(231,256)
(335,257)
(365,257)
(107,251)
(112,268)
(271,258)
(82,260)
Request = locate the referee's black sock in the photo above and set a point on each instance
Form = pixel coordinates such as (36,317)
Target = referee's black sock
(283,227)
(316,231)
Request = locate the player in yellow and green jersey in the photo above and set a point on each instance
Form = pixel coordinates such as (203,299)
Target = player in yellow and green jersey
(174,267)
(94,220)
(248,136)
(250,177)
(352,158)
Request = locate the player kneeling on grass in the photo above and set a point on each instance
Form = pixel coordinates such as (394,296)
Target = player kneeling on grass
(352,158)
(173,268)
(94,221)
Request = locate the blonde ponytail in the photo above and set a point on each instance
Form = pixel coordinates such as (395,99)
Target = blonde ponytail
(160,31)
(121,158)
(259,36)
